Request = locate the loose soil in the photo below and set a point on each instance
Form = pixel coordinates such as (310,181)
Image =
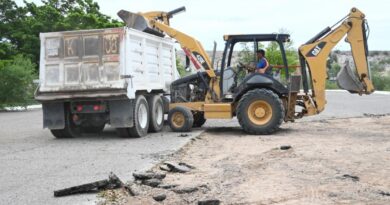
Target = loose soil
(340,161)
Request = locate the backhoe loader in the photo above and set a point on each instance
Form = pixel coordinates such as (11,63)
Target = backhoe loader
(260,102)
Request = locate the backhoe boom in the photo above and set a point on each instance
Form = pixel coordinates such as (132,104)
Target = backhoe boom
(314,54)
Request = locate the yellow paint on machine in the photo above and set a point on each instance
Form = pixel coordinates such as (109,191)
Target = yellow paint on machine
(218,111)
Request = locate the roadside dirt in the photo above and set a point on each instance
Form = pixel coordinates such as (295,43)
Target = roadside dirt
(341,161)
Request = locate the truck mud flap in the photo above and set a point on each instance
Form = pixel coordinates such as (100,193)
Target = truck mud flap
(121,113)
(53,115)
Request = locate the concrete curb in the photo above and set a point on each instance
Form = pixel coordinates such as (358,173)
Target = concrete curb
(376,92)
(20,108)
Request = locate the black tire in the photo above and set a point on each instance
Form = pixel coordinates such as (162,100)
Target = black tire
(199,119)
(166,104)
(271,122)
(70,130)
(156,113)
(140,127)
(180,119)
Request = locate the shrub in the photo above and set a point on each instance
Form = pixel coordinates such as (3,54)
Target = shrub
(331,85)
(380,81)
(16,82)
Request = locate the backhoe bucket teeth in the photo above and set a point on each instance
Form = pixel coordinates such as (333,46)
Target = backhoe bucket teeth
(137,22)
(347,80)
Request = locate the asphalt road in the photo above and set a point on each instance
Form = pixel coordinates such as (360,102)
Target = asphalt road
(33,163)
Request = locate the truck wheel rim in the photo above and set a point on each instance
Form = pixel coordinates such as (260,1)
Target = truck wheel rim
(159,114)
(260,112)
(142,116)
(178,119)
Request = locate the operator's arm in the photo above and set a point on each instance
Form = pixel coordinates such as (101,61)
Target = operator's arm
(262,65)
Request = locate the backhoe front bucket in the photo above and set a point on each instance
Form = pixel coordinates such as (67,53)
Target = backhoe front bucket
(137,22)
(347,80)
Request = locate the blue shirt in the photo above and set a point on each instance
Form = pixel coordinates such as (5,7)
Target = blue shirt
(262,63)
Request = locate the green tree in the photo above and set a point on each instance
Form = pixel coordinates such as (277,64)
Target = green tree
(16,81)
(20,25)
(180,67)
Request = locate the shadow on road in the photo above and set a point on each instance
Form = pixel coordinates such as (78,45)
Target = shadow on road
(234,131)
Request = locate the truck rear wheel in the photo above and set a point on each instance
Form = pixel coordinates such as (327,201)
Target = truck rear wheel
(70,130)
(156,113)
(260,111)
(141,120)
(180,119)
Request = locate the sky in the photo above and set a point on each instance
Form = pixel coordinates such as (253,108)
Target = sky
(209,20)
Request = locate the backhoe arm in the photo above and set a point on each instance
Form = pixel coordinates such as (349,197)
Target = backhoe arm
(157,22)
(315,52)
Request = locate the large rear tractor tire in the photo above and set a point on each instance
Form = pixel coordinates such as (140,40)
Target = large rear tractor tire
(156,113)
(180,119)
(260,111)
(141,120)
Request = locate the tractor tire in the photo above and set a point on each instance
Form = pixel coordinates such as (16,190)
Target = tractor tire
(180,119)
(260,111)
(166,104)
(141,120)
(70,130)
(199,119)
(156,113)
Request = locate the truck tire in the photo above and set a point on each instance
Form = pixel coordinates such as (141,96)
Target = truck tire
(156,113)
(180,119)
(70,130)
(141,120)
(260,111)
(199,119)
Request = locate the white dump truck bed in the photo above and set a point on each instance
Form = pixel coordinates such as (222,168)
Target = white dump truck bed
(104,62)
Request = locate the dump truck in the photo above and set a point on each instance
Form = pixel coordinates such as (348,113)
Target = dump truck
(116,76)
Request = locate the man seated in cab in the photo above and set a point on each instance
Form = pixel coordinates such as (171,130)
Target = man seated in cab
(263,66)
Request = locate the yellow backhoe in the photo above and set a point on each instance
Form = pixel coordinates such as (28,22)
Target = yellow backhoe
(260,102)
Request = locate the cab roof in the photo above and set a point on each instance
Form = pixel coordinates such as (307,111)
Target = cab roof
(258,37)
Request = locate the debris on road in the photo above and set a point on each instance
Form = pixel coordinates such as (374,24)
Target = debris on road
(353,178)
(383,193)
(152,182)
(184,135)
(285,147)
(167,186)
(132,189)
(209,202)
(185,190)
(112,182)
(148,175)
(181,168)
(160,197)
(164,167)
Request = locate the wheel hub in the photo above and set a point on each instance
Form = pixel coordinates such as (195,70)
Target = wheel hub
(178,119)
(260,112)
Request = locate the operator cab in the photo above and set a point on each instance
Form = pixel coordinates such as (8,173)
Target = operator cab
(239,73)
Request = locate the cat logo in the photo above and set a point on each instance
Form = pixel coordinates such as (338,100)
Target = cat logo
(316,50)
